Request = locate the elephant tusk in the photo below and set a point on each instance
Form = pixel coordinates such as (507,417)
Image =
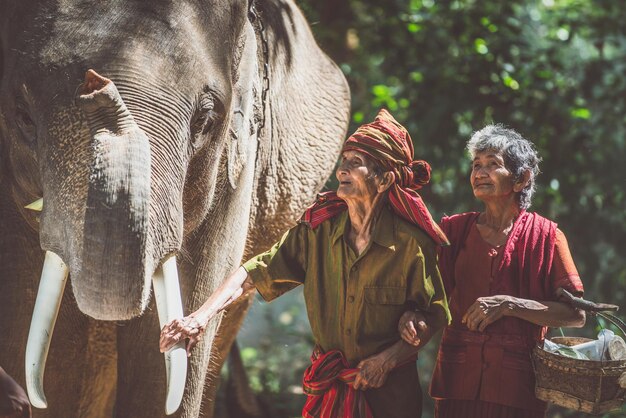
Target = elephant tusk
(51,286)
(170,306)
(37,205)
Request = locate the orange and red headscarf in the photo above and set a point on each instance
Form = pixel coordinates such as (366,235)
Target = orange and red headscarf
(389,144)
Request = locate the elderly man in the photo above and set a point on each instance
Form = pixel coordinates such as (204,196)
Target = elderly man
(364,254)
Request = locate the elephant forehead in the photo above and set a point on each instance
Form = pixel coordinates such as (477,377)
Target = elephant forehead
(72,30)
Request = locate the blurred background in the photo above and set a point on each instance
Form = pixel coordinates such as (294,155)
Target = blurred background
(554,70)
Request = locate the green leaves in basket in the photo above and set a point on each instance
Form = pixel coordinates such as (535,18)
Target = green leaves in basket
(571,353)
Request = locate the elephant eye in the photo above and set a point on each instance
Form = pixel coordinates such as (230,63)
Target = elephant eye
(25,123)
(203,119)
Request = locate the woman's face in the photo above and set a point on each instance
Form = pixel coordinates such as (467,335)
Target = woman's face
(490,179)
(357,180)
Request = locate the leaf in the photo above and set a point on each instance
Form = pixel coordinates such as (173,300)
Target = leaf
(571,353)
(37,205)
(581,113)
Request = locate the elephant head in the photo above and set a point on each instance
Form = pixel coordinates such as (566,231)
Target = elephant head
(155,130)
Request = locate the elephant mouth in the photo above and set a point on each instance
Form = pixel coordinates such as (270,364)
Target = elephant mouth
(51,287)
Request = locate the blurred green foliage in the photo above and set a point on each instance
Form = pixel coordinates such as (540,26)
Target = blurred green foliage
(555,70)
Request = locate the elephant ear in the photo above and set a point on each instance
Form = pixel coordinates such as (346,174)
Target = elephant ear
(306,116)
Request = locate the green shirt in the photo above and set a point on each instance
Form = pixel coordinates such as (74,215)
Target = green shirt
(354,302)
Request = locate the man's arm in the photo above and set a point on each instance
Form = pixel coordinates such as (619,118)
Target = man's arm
(373,371)
(286,260)
(193,326)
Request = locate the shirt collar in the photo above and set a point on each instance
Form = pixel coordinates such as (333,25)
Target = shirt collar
(340,226)
(383,233)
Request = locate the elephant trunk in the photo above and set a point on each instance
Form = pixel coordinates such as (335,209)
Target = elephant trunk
(113,272)
(116,264)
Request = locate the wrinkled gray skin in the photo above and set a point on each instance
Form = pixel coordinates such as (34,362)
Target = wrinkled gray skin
(173,164)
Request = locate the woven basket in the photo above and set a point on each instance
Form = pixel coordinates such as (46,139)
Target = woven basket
(581,385)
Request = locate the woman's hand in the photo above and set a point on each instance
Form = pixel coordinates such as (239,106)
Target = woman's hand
(487,310)
(412,326)
(188,328)
(373,372)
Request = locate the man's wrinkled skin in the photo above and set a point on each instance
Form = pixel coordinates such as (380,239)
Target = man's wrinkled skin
(157,152)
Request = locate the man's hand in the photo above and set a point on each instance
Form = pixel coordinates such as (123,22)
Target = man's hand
(487,310)
(13,400)
(412,327)
(181,329)
(373,372)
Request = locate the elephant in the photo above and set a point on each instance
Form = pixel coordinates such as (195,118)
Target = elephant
(167,140)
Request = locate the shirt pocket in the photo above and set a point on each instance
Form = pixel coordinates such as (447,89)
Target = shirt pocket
(381,312)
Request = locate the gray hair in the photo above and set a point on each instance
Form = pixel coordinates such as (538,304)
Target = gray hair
(519,154)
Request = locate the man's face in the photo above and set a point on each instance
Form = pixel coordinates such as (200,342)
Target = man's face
(357,178)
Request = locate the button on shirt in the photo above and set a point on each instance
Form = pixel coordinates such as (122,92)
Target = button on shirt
(354,302)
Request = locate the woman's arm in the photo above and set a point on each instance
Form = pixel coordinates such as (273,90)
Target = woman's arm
(414,330)
(487,310)
(192,326)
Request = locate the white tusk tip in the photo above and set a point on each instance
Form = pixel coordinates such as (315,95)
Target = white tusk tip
(176,376)
(38,403)
(37,398)
(34,388)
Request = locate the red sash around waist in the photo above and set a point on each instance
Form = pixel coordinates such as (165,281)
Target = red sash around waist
(328,385)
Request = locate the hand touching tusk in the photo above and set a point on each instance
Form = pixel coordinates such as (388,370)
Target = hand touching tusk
(169,307)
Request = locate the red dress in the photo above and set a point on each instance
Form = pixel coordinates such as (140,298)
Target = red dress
(489,374)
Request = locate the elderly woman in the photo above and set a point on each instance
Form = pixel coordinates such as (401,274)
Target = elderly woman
(364,254)
(501,273)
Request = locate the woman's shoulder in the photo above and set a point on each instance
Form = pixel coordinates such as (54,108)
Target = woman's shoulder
(459,217)
(458,224)
(542,223)
(448,224)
